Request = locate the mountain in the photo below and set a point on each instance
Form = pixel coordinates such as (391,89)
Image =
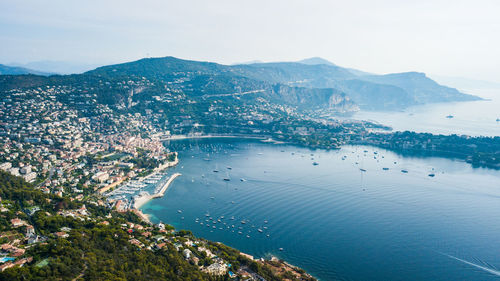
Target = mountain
(315,61)
(15,70)
(318,60)
(304,86)
(272,81)
(421,88)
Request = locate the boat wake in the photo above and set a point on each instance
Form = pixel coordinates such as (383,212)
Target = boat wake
(484,268)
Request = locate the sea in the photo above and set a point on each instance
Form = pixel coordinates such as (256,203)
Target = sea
(358,213)
(476,118)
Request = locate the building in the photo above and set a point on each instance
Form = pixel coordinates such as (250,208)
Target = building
(187,253)
(5,166)
(17,222)
(30,231)
(100,177)
(216,269)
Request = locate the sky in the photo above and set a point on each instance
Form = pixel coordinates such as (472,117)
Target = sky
(451,38)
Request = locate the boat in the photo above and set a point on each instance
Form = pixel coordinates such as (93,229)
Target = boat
(385,169)
(227,179)
(281,249)
(260,230)
(432,175)
(362,170)
(229,168)
(404,171)
(498,119)
(450,116)
(242,179)
(315,163)
(179,211)
(243,222)
(216,171)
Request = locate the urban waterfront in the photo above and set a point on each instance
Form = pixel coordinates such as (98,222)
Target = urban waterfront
(345,218)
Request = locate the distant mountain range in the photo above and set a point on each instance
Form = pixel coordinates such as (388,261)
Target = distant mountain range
(310,84)
(16,70)
(49,67)
(368,91)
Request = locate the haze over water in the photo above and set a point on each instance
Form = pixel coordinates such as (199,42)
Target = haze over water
(333,219)
(475,118)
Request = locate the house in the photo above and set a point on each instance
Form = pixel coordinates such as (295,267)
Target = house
(30,231)
(216,269)
(17,222)
(187,253)
(160,246)
(61,234)
(136,242)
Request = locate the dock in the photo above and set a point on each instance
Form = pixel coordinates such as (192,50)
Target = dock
(139,201)
(161,192)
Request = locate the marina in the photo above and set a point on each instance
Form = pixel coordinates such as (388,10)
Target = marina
(303,208)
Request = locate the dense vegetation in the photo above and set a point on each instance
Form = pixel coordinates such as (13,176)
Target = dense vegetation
(98,247)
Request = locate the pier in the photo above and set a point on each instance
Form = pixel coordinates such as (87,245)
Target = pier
(139,201)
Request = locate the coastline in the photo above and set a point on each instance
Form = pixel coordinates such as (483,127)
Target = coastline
(185,137)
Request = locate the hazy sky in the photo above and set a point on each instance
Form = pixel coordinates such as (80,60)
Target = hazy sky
(455,38)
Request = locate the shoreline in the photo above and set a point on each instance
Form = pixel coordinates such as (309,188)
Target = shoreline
(185,137)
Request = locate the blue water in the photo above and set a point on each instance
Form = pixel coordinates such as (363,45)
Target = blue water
(334,220)
(475,118)
(6,259)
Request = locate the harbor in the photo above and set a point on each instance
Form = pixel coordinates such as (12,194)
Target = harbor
(144,196)
(289,208)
